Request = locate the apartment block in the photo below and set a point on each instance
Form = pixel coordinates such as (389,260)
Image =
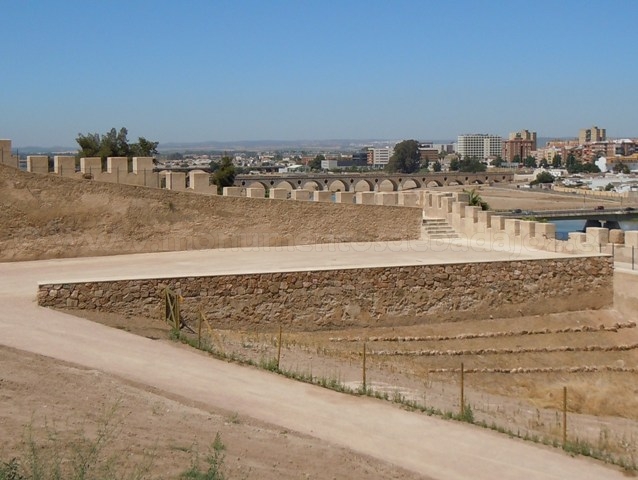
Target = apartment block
(479,145)
(593,134)
(379,157)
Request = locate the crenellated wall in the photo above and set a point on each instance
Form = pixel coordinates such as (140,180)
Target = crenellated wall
(489,228)
(358,297)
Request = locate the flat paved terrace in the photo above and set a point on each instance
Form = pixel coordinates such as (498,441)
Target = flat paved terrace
(435,448)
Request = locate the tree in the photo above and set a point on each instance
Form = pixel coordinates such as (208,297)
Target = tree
(436,166)
(472,165)
(114,144)
(544,177)
(529,162)
(572,165)
(620,167)
(544,163)
(498,162)
(454,165)
(225,174)
(315,163)
(475,200)
(609,187)
(406,158)
(557,161)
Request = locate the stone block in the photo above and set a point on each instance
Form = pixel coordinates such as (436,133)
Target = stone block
(576,237)
(485,218)
(118,165)
(278,193)
(545,230)
(471,213)
(497,223)
(527,229)
(597,236)
(322,196)
(386,198)
(616,236)
(301,195)
(38,164)
(176,181)
(199,182)
(233,191)
(255,192)
(142,164)
(344,197)
(365,198)
(409,199)
(91,165)
(64,165)
(512,227)
(631,238)
(458,209)
(447,204)
(462,197)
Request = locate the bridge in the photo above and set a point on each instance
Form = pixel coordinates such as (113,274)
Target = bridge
(602,215)
(368,181)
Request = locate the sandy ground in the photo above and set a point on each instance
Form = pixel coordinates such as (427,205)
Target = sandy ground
(51,396)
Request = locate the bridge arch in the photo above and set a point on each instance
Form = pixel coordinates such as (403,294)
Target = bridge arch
(454,181)
(255,184)
(337,185)
(433,183)
(311,185)
(410,183)
(361,185)
(282,184)
(386,184)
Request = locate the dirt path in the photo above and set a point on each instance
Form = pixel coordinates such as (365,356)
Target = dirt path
(427,446)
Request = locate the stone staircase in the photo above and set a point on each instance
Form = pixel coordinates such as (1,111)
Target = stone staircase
(437,228)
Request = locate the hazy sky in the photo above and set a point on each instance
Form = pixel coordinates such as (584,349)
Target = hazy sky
(325,69)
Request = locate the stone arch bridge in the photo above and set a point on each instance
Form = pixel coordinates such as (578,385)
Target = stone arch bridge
(369,181)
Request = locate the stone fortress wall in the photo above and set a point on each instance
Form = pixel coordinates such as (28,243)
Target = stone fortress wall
(359,297)
(140,171)
(488,228)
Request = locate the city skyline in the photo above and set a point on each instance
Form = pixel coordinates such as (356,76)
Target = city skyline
(283,70)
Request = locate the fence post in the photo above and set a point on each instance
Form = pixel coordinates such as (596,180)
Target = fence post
(279,349)
(462,389)
(633,250)
(199,329)
(564,416)
(364,368)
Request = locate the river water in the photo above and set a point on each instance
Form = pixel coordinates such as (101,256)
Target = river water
(563,227)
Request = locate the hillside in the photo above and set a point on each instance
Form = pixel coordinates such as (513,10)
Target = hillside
(44,216)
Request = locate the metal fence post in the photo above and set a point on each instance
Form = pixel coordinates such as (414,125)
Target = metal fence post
(462,390)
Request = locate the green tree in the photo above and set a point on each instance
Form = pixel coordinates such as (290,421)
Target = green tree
(472,165)
(406,158)
(529,162)
(498,162)
(224,176)
(544,163)
(436,166)
(315,163)
(609,187)
(620,167)
(475,200)
(557,161)
(544,177)
(114,144)
(572,165)
(454,165)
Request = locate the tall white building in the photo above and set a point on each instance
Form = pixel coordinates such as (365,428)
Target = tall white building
(479,145)
(379,157)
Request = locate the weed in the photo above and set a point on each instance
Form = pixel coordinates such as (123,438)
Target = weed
(215,461)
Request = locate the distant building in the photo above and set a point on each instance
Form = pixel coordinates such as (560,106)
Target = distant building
(520,144)
(379,157)
(479,145)
(593,134)
(428,153)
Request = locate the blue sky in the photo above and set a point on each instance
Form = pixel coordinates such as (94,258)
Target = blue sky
(292,70)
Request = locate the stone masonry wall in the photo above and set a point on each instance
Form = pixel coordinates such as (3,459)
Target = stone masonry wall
(385,296)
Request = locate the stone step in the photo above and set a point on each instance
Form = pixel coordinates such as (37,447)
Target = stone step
(437,228)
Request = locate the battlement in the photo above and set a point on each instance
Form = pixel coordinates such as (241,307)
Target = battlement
(6,157)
